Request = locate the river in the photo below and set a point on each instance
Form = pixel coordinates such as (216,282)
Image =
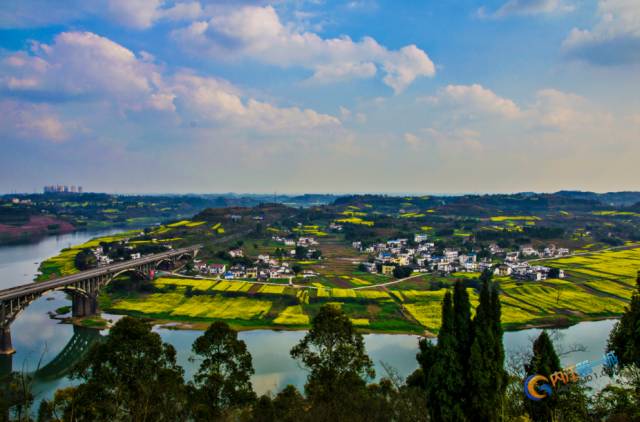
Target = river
(40,340)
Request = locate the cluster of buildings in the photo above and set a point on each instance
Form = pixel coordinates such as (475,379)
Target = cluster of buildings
(423,257)
(62,189)
(274,270)
(264,267)
(301,241)
(104,259)
(526,271)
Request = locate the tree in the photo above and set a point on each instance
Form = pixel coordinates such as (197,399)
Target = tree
(463,328)
(624,339)
(222,382)
(334,353)
(132,375)
(85,260)
(301,252)
(544,362)
(296,268)
(445,381)
(287,406)
(487,378)
(463,332)
(402,271)
(16,397)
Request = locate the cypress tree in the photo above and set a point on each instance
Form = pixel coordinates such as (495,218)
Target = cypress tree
(487,377)
(502,377)
(446,380)
(463,330)
(624,339)
(462,322)
(545,362)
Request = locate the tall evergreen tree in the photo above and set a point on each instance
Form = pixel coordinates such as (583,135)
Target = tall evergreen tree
(463,330)
(446,377)
(487,377)
(501,377)
(462,322)
(624,339)
(544,361)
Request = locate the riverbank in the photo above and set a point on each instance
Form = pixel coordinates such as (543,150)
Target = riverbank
(33,230)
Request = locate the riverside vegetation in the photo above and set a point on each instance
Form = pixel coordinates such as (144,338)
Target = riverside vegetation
(461,378)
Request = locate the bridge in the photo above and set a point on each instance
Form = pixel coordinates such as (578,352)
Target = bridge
(83,287)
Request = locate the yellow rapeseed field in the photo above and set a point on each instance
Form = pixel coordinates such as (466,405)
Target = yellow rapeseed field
(292,315)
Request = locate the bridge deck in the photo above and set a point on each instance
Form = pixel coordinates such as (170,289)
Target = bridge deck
(40,287)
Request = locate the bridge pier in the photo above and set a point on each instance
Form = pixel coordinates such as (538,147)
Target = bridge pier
(6,348)
(6,366)
(82,306)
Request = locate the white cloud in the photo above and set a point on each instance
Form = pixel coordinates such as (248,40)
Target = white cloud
(614,40)
(554,109)
(217,101)
(81,65)
(258,33)
(31,122)
(551,110)
(475,99)
(343,71)
(86,67)
(527,7)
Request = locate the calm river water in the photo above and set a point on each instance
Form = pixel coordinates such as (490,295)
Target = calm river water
(44,343)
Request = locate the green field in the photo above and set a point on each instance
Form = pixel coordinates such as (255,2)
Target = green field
(63,263)
(597,285)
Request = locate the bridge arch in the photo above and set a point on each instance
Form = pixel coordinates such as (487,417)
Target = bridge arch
(83,288)
(132,270)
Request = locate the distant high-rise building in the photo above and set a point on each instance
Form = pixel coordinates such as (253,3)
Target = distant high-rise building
(62,189)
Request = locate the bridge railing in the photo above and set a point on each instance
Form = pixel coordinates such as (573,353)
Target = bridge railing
(39,287)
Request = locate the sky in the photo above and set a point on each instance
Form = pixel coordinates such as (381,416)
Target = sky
(295,96)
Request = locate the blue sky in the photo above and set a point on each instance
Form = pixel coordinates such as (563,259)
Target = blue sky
(320,96)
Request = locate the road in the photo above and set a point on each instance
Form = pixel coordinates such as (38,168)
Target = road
(39,287)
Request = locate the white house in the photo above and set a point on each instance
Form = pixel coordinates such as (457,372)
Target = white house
(419,238)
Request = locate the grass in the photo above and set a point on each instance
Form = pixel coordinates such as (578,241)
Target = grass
(63,310)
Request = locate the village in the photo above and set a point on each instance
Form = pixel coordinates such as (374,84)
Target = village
(421,255)
(266,267)
(394,258)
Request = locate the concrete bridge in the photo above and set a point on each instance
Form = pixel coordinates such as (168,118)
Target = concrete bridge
(83,287)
